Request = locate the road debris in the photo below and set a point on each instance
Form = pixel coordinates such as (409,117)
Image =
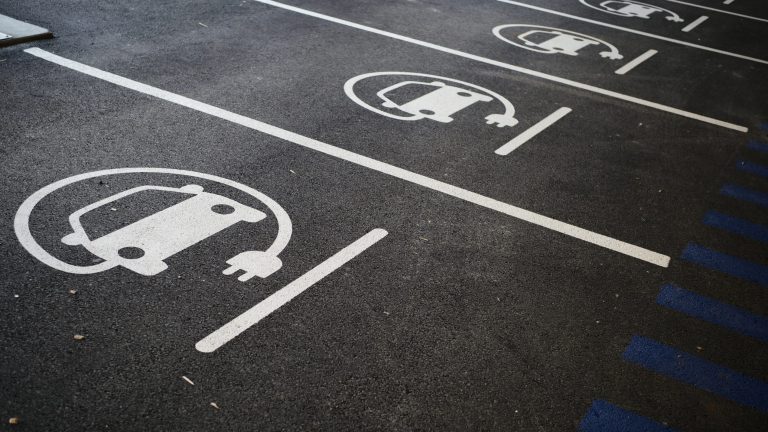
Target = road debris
(188,380)
(213,404)
(78,337)
(13,420)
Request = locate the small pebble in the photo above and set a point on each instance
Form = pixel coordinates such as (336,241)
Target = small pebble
(213,404)
(13,420)
(79,337)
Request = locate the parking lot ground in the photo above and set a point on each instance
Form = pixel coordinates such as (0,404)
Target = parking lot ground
(606,271)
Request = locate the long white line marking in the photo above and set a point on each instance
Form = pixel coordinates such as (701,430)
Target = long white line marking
(638,32)
(427,182)
(532,131)
(695,23)
(249,318)
(634,63)
(720,10)
(511,67)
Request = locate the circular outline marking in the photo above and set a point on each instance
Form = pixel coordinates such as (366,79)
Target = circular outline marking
(497,32)
(349,89)
(23,233)
(671,17)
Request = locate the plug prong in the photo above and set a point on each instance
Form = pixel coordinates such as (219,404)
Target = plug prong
(230,270)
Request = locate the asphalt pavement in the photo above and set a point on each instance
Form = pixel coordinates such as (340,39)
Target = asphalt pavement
(404,215)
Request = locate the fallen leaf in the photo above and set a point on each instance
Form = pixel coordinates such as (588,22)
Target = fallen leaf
(213,404)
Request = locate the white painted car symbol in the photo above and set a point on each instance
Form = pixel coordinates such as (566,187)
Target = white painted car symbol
(143,245)
(559,42)
(636,9)
(438,105)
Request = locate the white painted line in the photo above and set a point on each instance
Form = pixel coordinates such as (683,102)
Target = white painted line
(629,30)
(720,10)
(249,318)
(695,23)
(373,164)
(532,131)
(634,63)
(519,69)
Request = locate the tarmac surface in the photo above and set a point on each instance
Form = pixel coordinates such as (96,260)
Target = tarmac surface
(592,260)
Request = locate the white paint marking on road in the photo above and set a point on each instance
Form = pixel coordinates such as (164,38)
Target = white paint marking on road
(629,30)
(532,131)
(695,23)
(373,164)
(720,10)
(511,67)
(24,213)
(634,63)
(249,318)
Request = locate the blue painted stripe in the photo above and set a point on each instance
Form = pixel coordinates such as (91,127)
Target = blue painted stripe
(757,146)
(753,168)
(606,417)
(737,226)
(698,372)
(711,310)
(728,264)
(745,194)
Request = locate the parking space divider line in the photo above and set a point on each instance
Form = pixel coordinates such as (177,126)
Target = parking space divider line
(264,308)
(533,131)
(364,161)
(629,30)
(545,76)
(720,10)
(636,62)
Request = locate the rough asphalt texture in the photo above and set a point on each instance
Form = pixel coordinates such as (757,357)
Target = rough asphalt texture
(462,318)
